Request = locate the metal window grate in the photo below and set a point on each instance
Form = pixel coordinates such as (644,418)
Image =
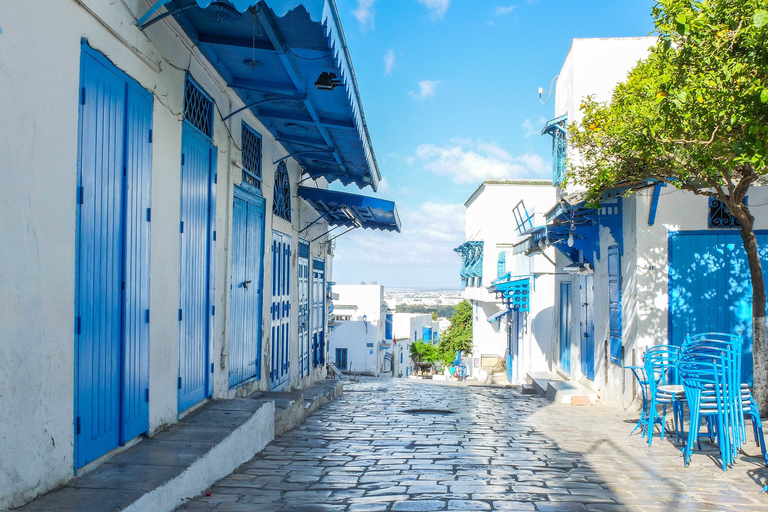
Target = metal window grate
(251,142)
(501,266)
(198,107)
(518,295)
(558,129)
(720,217)
(281,205)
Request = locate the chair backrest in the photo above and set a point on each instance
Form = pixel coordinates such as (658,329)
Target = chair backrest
(660,365)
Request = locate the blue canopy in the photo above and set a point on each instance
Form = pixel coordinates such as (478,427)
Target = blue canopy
(352,210)
(272,54)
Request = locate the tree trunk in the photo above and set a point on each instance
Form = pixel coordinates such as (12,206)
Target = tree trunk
(759,325)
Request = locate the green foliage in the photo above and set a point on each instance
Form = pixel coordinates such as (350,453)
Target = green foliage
(458,336)
(424,352)
(435,311)
(694,114)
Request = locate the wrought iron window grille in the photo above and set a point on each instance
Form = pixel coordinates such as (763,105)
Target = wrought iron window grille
(251,157)
(281,205)
(198,107)
(720,217)
(558,129)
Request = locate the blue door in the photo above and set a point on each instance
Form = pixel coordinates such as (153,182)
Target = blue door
(246,287)
(514,332)
(281,310)
(196,266)
(112,259)
(303,283)
(318,312)
(565,327)
(614,303)
(587,330)
(710,288)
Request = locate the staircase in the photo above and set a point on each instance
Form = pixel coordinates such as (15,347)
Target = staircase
(560,391)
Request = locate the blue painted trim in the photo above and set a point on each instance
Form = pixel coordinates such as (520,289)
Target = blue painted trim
(654,203)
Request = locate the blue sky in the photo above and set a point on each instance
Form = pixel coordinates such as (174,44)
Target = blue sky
(449,89)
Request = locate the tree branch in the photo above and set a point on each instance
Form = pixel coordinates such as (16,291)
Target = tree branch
(686,141)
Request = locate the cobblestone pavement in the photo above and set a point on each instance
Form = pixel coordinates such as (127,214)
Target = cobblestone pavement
(498,450)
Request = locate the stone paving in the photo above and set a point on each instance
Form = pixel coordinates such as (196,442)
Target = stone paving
(498,450)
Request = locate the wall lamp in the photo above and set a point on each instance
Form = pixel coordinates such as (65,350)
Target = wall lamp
(327,81)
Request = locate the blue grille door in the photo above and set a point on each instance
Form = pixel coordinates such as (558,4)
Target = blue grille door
(196,276)
(112,260)
(614,302)
(281,310)
(246,285)
(587,331)
(710,289)
(318,312)
(565,327)
(303,282)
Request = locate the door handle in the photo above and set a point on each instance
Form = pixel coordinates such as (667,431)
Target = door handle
(245,284)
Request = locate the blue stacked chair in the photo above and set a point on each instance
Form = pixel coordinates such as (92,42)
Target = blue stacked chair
(660,366)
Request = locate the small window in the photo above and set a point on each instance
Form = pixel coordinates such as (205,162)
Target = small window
(198,107)
(251,143)
(281,202)
(720,217)
(501,268)
(341,358)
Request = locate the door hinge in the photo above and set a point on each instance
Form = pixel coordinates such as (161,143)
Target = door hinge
(215,177)
(82,96)
(181,227)
(182,159)
(80,194)
(214,236)
(78,325)
(125,170)
(150,136)
(149,214)
(179,382)
(146,316)
(213,310)
(146,395)
(211,367)
(78,427)
(179,315)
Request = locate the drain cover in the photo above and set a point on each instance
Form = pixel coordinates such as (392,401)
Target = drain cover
(428,411)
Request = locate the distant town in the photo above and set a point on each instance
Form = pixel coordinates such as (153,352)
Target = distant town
(421,296)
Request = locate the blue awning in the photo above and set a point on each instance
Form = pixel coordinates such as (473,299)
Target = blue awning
(352,210)
(272,53)
(497,316)
(515,291)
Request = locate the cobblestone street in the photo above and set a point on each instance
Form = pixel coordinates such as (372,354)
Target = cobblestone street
(497,450)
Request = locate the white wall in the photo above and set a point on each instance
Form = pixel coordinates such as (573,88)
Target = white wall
(355,337)
(38,143)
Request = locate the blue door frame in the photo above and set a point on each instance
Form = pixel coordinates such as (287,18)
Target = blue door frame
(112,259)
(587,327)
(565,327)
(614,304)
(279,372)
(196,271)
(710,289)
(246,287)
(318,312)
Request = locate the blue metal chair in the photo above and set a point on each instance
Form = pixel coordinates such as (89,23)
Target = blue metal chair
(642,380)
(660,366)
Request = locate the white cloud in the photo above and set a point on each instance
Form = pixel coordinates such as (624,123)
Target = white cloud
(426,89)
(472,161)
(365,13)
(389,61)
(421,255)
(437,8)
(384,187)
(501,11)
(531,129)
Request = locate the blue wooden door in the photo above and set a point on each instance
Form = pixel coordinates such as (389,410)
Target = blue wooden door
(112,260)
(614,303)
(710,289)
(565,327)
(303,284)
(281,310)
(196,276)
(587,330)
(318,312)
(246,287)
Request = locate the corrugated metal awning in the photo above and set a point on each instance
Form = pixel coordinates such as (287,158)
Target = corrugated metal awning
(352,210)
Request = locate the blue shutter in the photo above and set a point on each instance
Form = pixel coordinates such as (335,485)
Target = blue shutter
(614,303)
(303,284)
(238,321)
(388,327)
(565,327)
(281,308)
(196,277)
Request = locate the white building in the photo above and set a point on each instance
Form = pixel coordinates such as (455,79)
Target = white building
(362,336)
(645,269)
(407,329)
(512,334)
(158,250)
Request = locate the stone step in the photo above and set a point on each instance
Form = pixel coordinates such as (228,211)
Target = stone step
(560,391)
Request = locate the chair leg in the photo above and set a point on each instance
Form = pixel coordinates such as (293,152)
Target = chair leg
(651,421)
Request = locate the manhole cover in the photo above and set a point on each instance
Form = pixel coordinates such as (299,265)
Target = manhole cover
(428,411)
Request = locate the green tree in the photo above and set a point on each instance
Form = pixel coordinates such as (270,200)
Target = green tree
(458,336)
(694,115)
(424,352)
